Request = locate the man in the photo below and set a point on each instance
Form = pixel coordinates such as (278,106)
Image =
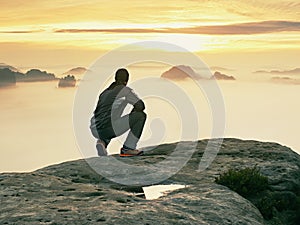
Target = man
(108,122)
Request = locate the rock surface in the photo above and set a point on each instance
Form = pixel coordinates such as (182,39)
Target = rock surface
(72,193)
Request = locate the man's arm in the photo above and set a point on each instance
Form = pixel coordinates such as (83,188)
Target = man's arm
(133,99)
(139,106)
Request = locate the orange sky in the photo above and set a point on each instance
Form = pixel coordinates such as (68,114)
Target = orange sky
(59,34)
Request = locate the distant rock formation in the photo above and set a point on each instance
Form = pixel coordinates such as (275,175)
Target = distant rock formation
(76,71)
(220,76)
(35,75)
(4,65)
(7,77)
(182,72)
(67,81)
(74,193)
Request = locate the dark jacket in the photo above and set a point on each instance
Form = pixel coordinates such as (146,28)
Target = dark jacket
(111,104)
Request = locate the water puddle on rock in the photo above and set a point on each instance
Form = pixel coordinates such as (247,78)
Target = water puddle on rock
(156,191)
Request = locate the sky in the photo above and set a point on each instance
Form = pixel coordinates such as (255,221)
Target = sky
(242,35)
(248,39)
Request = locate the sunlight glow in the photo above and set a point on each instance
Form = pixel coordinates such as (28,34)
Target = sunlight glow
(66,26)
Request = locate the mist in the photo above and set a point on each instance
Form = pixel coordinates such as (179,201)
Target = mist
(36,126)
(37,129)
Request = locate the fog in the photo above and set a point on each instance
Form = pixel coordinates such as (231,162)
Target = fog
(36,126)
(36,120)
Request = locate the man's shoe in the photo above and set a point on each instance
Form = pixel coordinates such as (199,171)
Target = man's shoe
(101,148)
(130,152)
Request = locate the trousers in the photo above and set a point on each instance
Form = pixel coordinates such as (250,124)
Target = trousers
(134,122)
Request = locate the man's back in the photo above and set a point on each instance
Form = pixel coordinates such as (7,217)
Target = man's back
(112,102)
(106,100)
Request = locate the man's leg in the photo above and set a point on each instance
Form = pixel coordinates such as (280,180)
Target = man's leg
(136,123)
(104,137)
(101,143)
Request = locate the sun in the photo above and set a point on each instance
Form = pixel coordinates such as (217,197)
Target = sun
(190,42)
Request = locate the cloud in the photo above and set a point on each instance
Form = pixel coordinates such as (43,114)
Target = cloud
(115,30)
(231,29)
(295,71)
(21,31)
(247,28)
(260,9)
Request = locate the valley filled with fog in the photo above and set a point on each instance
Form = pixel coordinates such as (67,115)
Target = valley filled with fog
(37,119)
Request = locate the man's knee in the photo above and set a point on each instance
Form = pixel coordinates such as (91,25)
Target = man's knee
(139,115)
(143,115)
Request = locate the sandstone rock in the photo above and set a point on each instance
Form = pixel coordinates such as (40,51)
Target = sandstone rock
(72,193)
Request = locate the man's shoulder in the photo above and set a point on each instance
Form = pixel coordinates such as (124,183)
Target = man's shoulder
(121,89)
(125,89)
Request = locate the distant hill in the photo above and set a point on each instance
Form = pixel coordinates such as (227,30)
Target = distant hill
(32,75)
(35,75)
(67,81)
(7,77)
(76,71)
(220,76)
(182,72)
(4,65)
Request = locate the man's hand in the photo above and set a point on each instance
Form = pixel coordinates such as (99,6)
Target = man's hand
(139,106)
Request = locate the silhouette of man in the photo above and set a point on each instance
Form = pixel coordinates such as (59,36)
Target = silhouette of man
(108,122)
